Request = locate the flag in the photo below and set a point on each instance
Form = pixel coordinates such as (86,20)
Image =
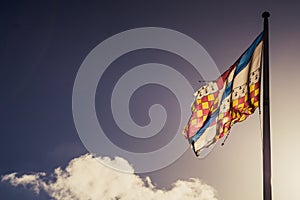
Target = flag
(229,99)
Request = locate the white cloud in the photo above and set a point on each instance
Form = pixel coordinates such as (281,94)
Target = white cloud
(85,178)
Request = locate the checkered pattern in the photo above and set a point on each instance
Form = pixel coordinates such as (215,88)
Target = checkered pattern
(201,109)
(230,99)
(241,108)
(254,94)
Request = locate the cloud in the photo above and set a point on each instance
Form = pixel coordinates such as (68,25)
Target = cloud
(85,178)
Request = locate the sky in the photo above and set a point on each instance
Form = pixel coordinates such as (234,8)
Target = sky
(43,45)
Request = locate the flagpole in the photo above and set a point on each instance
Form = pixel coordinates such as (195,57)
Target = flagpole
(266,113)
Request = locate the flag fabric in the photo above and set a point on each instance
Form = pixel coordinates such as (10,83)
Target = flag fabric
(230,99)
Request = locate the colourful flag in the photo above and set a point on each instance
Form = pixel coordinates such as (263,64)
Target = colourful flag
(231,98)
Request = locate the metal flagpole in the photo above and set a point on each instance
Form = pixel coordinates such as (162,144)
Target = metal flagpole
(267,189)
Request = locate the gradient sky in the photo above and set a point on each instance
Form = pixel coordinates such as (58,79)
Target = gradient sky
(44,43)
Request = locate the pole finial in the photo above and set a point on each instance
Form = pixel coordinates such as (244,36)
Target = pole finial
(266,15)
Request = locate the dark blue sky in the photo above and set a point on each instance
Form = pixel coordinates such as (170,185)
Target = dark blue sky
(43,43)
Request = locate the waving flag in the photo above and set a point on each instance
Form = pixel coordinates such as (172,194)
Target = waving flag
(229,99)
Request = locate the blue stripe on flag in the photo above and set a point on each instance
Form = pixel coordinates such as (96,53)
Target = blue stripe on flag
(227,91)
(207,123)
(244,60)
